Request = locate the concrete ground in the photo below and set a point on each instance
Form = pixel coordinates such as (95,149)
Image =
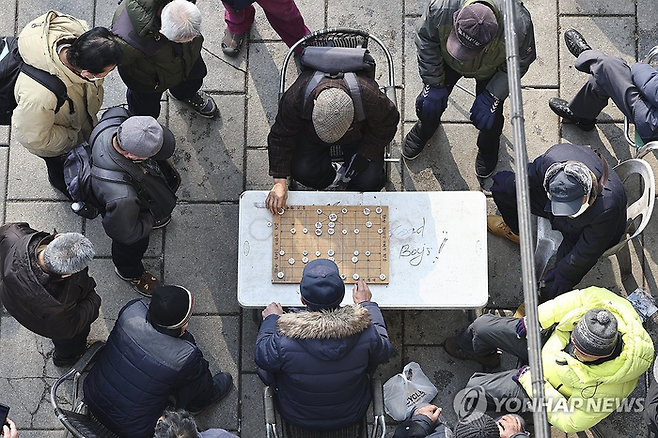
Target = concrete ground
(219,159)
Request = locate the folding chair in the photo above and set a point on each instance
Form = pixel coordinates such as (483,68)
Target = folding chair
(78,422)
(358,430)
(638,213)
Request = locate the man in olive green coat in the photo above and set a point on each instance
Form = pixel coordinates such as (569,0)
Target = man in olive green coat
(161,42)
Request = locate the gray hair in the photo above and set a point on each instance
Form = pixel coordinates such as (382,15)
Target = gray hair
(68,253)
(181,21)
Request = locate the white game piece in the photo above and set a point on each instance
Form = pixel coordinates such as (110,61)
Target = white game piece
(378,210)
(355,276)
(344,231)
(333,217)
(305,230)
(269,224)
(356,252)
(367,253)
(291,261)
(343,276)
(368,224)
(293,231)
(280,274)
(281,211)
(331,231)
(318,232)
(318,225)
(344,211)
(356,231)
(282,252)
(366,211)
(380,231)
(304,253)
(331,224)
(331,252)
(319,211)
(355,259)
(382,277)
(318,253)
(330,258)
(304,259)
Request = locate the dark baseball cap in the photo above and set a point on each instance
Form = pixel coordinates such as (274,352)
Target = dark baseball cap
(474,26)
(566,193)
(321,285)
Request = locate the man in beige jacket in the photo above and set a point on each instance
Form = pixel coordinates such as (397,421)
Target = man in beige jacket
(63,46)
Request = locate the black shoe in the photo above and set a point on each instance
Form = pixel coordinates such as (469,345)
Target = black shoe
(489,361)
(485,164)
(413,143)
(222,384)
(202,103)
(561,108)
(575,42)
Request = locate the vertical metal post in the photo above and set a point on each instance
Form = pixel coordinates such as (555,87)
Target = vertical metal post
(523,204)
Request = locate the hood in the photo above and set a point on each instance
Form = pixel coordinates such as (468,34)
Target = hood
(37,43)
(145,15)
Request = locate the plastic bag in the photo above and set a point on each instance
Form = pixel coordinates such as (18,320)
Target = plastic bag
(406,391)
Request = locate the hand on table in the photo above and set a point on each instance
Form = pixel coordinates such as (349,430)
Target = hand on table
(272,309)
(276,199)
(361,292)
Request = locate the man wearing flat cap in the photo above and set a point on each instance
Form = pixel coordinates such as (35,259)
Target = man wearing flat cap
(594,352)
(320,360)
(139,202)
(151,361)
(574,187)
(467,38)
(308,125)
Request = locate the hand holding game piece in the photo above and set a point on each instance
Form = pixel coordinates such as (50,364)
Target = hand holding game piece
(272,309)
(276,199)
(361,292)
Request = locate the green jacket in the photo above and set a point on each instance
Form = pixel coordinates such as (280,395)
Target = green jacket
(149,57)
(435,27)
(579,395)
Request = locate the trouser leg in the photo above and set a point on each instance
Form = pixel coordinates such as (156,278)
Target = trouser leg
(188,88)
(372,179)
(488,141)
(239,22)
(488,333)
(128,258)
(55,166)
(499,389)
(142,101)
(73,347)
(311,164)
(503,191)
(286,20)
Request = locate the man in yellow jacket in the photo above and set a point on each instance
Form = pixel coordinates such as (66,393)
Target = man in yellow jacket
(596,351)
(65,47)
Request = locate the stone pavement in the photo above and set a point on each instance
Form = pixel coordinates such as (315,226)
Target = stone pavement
(219,159)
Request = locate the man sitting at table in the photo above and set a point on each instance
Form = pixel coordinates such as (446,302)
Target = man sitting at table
(320,360)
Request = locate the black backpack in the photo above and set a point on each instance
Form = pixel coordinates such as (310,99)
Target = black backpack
(11,64)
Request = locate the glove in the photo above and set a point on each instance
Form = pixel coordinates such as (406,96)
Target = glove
(431,102)
(521,330)
(520,373)
(555,284)
(484,110)
(356,165)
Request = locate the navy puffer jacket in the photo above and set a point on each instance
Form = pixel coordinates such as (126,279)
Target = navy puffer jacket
(320,363)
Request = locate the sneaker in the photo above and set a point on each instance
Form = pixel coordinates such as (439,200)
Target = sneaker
(489,361)
(413,143)
(143,285)
(162,223)
(485,164)
(496,225)
(232,43)
(222,384)
(561,108)
(202,103)
(575,42)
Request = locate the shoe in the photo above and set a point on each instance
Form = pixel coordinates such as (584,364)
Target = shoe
(489,361)
(413,143)
(162,223)
(232,43)
(222,384)
(496,225)
(561,108)
(575,42)
(520,311)
(66,362)
(202,103)
(144,285)
(485,164)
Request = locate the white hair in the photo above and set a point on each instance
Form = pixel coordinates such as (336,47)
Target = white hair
(181,21)
(68,253)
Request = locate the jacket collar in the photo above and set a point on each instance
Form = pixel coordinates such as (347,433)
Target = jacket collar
(340,323)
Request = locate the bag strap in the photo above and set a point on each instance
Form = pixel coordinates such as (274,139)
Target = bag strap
(110,175)
(109,120)
(51,82)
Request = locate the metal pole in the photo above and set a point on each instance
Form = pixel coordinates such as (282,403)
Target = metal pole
(523,204)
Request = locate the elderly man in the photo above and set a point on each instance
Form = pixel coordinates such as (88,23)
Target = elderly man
(141,200)
(467,38)
(181,424)
(46,286)
(151,360)
(592,360)
(583,198)
(633,89)
(161,42)
(309,122)
(63,46)
(321,359)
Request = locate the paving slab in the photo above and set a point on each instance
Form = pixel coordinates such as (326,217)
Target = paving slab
(103,244)
(258,177)
(8,19)
(312,11)
(647,27)
(28,176)
(29,10)
(595,7)
(44,216)
(253,419)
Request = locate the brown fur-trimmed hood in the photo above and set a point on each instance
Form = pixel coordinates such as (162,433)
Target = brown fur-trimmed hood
(325,324)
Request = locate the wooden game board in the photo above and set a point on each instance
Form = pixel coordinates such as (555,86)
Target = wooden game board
(355,237)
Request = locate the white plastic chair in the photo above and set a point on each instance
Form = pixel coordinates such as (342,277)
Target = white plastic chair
(638,210)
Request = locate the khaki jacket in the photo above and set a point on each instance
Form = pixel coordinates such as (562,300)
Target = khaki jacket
(34,121)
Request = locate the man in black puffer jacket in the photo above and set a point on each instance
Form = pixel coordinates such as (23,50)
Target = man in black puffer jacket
(321,360)
(150,360)
(47,288)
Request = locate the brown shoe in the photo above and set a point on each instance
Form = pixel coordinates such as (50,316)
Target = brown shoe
(496,225)
(489,361)
(520,311)
(143,285)
(232,43)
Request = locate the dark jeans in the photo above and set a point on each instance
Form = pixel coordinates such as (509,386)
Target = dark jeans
(143,101)
(128,258)
(488,141)
(71,348)
(55,166)
(311,166)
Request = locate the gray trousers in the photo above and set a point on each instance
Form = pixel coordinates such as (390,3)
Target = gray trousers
(610,78)
(486,334)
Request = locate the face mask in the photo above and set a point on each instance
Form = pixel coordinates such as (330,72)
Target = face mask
(94,79)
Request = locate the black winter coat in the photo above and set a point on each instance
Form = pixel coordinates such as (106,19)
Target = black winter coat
(27,300)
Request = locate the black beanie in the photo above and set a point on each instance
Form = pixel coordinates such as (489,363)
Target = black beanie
(171,307)
(482,426)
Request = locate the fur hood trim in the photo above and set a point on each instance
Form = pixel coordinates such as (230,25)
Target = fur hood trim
(325,324)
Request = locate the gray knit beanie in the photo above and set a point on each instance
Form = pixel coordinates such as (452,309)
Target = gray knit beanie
(596,333)
(481,426)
